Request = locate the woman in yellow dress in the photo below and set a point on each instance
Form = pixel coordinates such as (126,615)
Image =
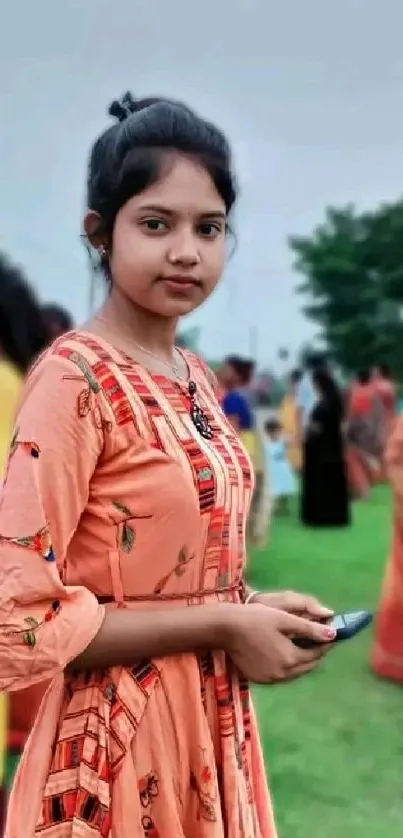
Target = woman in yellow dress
(23,335)
(290,421)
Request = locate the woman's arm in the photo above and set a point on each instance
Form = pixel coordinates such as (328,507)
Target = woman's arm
(127,636)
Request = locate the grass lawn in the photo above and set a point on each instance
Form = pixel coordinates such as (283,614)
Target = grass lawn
(333,741)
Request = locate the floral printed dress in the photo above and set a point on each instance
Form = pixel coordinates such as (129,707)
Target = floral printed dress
(113,499)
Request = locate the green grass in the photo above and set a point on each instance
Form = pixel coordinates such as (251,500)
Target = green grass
(333,741)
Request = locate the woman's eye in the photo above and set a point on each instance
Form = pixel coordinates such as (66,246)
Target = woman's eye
(155,225)
(209,230)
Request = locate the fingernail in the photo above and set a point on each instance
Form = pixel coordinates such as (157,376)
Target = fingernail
(330,633)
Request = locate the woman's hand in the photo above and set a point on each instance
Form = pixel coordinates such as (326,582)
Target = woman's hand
(260,642)
(294,603)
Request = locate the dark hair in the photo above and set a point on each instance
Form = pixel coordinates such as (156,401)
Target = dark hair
(315,361)
(328,388)
(295,376)
(364,376)
(128,157)
(57,317)
(23,331)
(385,370)
(243,367)
(272,425)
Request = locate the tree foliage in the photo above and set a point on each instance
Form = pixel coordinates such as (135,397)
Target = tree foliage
(353,270)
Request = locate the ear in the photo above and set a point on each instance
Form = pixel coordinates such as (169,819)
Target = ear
(93,228)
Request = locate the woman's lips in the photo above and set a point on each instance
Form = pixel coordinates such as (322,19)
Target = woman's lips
(180,283)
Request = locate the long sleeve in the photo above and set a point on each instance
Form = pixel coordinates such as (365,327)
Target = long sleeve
(54,452)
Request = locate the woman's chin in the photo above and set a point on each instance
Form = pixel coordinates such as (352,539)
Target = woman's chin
(177,308)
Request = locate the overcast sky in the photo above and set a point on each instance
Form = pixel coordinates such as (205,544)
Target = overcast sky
(310,94)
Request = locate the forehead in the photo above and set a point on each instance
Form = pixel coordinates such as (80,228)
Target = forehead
(184,186)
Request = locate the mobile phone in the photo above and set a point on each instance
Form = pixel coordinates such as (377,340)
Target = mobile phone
(346,625)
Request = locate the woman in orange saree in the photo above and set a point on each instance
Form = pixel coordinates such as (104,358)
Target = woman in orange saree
(387,652)
(385,390)
(364,438)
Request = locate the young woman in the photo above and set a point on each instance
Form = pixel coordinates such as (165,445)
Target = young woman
(122,527)
(325,495)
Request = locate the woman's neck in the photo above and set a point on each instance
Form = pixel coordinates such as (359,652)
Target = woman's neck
(155,334)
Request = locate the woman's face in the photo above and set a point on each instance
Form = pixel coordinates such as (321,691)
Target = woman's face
(168,247)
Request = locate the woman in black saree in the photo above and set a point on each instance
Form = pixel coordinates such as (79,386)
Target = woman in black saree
(325,495)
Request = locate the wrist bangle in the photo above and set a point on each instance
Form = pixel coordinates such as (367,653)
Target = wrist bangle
(251,596)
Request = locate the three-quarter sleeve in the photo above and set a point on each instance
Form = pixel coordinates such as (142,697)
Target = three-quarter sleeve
(57,442)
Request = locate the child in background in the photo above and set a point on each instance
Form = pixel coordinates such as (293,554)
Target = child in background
(282,480)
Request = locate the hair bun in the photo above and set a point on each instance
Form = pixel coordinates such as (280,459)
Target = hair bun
(122,108)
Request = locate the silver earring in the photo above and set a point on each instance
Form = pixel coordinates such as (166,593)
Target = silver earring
(102,252)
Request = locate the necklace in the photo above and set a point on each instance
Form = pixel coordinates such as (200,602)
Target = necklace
(198,416)
(172,366)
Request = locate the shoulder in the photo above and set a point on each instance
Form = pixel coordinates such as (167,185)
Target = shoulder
(77,352)
(63,385)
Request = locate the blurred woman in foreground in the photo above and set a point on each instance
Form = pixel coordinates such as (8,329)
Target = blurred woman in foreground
(387,652)
(23,335)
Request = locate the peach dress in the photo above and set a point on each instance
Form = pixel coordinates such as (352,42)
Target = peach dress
(113,499)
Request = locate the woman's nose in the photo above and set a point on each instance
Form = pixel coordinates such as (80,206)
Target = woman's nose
(184,251)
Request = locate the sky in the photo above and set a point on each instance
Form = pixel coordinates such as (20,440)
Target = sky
(309,93)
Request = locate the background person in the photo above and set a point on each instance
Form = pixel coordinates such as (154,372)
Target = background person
(290,421)
(364,442)
(58,319)
(236,377)
(387,650)
(325,495)
(283,484)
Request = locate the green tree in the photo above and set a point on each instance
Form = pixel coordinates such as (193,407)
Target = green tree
(352,264)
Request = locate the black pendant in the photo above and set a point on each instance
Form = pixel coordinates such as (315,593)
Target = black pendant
(198,416)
